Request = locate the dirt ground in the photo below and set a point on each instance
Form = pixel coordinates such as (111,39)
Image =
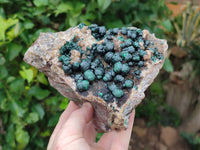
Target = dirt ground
(155,138)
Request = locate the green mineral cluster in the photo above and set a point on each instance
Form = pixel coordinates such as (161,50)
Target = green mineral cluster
(122,67)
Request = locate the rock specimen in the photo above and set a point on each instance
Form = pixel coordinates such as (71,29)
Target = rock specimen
(111,69)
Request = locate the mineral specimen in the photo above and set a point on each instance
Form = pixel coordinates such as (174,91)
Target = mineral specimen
(111,69)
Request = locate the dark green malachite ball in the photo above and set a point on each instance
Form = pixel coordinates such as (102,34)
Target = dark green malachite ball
(108,57)
(128,83)
(75,66)
(142,53)
(116,58)
(99,72)
(107,77)
(118,93)
(126,56)
(112,87)
(125,69)
(89,75)
(82,85)
(85,65)
(119,78)
(136,58)
(117,67)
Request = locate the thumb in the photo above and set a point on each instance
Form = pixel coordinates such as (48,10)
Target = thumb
(78,120)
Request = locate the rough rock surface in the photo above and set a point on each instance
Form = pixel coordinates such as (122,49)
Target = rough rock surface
(44,53)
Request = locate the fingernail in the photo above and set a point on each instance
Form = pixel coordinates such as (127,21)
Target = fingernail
(87,105)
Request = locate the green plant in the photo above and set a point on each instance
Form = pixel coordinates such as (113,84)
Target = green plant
(195,57)
(187,26)
(192,140)
(155,110)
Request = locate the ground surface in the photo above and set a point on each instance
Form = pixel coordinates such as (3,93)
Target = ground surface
(155,138)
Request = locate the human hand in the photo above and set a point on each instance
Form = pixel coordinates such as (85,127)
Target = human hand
(75,131)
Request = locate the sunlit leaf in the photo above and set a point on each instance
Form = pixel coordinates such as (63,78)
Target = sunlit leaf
(63,8)
(168,66)
(32,118)
(28,24)
(22,137)
(73,21)
(64,104)
(5,24)
(14,32)
(27,74)
(167,25)
(42,79)
(104,4)
(45,133)
(40,2)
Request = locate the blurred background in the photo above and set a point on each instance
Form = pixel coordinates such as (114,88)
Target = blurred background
(169,116)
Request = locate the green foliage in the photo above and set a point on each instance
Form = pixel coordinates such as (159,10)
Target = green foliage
(195,57)
(155,110)
(29,107)
(187,26)
(192,140)
(168,65)
(99,135)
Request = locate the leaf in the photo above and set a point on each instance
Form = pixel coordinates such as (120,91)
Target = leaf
(2,12)
(26,74)
(38,93)
(168,66)
(73,21)
(42,79)
(17,86)
(39,142)
(39,110)
(28,24)
(5,24)
(53,101)
(13,51)
(16,109)
(22,137)
(2,59)
(98,136)
(116,23)
(167,25)
(156,88)
(53,120)
(39,3)
(3,72)
(45,134)
(104,4)
(32,118)
(13,32)
(4,1)
(63,8)
(3,102)
(10,137)
(64,104)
